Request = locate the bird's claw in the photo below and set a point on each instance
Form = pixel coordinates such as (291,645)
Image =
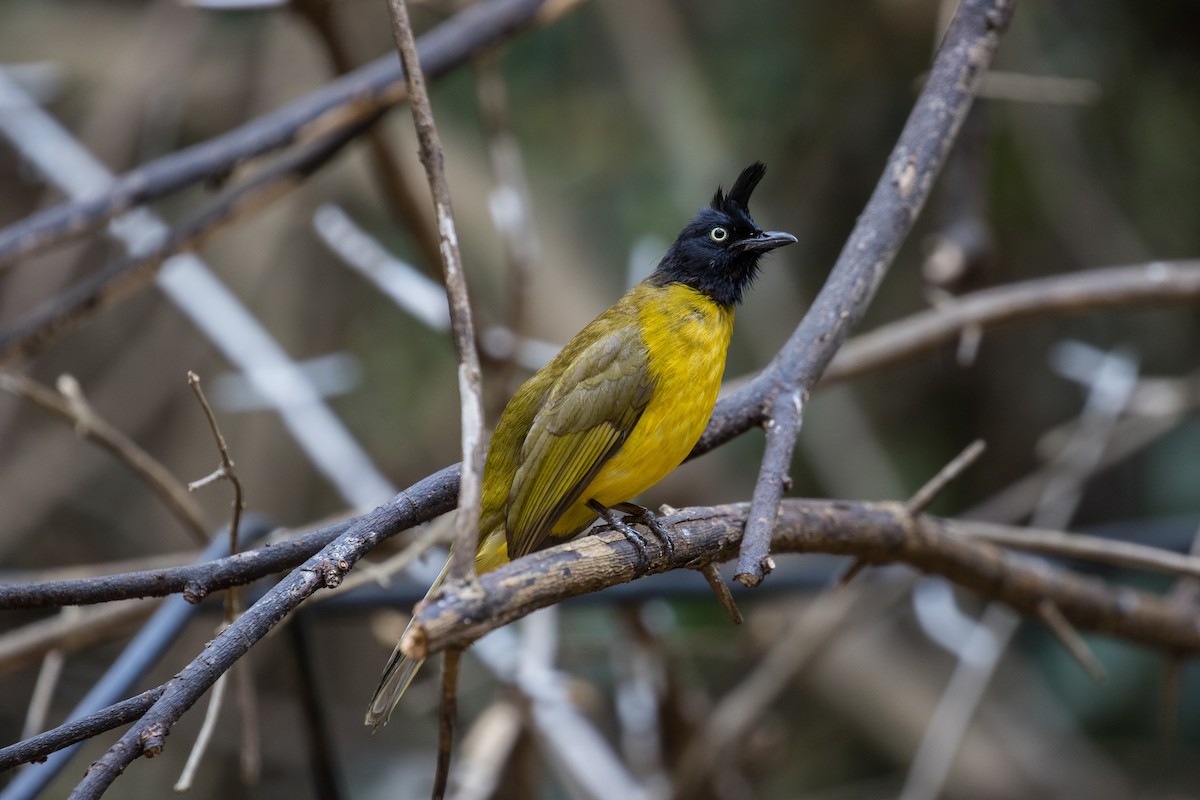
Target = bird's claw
(636,513)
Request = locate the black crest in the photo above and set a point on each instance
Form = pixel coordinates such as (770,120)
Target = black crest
(737,203)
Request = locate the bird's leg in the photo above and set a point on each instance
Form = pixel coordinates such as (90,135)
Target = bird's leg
(648,518)
(636,539)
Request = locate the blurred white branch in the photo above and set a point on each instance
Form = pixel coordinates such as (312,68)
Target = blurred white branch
(190,284)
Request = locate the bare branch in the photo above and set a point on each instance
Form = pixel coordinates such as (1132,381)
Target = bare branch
(336,108)
(71,405)
(879,533)
(929,492)
(1156,283)
(966,51)
(462,560)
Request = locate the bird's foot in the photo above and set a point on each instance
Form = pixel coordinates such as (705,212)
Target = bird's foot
(648,518)
(635,513)
(624,528)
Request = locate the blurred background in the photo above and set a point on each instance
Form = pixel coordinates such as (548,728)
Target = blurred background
(615,123)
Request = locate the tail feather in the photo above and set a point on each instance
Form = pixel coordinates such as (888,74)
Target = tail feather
(398,673)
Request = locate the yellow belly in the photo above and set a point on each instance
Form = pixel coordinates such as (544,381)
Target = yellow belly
(687,337)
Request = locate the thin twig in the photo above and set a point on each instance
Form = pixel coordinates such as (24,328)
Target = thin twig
(204,736)
(462,565)
(721,590)
(924,496)
(510,206)
(929,492)
(963,58)
(43,689)
(71,405)
(1071,640)
(446,714)
(754,560)
(229,473)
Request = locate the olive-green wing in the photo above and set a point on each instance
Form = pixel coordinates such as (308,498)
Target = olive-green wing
(586,417)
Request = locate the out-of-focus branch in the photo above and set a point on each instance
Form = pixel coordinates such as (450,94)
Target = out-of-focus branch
(70,404)
(966,52)
(1156,283)
(339,107)
(407,207)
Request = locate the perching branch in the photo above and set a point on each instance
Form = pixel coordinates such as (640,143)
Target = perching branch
(462,328)
(880,533)
(966,51)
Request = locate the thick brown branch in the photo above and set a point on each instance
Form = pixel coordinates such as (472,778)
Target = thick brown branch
(879,533)
(966,51)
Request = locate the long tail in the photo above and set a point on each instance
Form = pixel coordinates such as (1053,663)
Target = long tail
(397,675)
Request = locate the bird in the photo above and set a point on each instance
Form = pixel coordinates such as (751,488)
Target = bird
(619,407)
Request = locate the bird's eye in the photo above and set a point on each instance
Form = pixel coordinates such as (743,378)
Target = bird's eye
(718,234)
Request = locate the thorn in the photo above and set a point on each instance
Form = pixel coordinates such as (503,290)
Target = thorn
(721,590)
(1070,638)
(851,573)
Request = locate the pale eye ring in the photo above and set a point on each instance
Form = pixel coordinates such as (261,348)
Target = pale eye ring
(718,234)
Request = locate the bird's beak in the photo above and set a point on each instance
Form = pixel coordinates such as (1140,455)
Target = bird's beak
(765,241)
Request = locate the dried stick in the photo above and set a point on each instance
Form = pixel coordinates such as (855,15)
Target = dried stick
(323,570)
(880,533)
(462,560)
(446,714)
(1155,283)
(226,471)
(70,404)
(929,492)
(337,107)
(323,136)
(38,747)
(389,169)
(966,51)
(204,736)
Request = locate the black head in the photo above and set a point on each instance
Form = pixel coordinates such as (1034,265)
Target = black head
(717,253)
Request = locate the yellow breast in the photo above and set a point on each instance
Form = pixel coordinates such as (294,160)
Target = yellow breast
(687,338)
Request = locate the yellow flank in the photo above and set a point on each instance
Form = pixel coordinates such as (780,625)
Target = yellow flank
(684,336)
